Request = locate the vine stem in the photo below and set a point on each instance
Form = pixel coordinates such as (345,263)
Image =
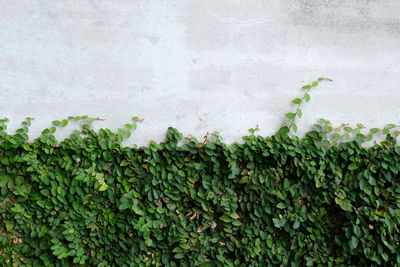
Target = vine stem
(314,84)
(340,137)
(297,108)
(359,128)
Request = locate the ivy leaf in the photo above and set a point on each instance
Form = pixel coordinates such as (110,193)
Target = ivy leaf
(354,242)
(353,166)
(149,242)
(344,204)
(103,187)
(281,205)
(225,218)
(59,190)
(107,155)
(284,130)
(296,101)
(385,256)
(124,204)
(64,123)
(299,113)
(294,126)
(234,215)
(307,97)
(290,115)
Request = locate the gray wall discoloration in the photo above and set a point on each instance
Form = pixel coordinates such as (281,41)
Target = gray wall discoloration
(199,66)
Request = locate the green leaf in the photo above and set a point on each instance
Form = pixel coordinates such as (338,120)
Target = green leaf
(149,242)
(64,123)
(234,215)
(290,115)
(137,210)
(184,246)
(314,84)
(294,126)
(59,190)
(286,183)
(385,256)
(307,86)
(281,205)
(284,130)
(307,97)
(296,101)
(244,180)
(124,204)
(236,223)
(225,218)
(279,222)
(353,166)
(103,187)
(354,242)
(179,256)
(107,155)
(344,204)
(299,113)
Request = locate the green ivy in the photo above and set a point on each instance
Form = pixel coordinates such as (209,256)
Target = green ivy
(330,198)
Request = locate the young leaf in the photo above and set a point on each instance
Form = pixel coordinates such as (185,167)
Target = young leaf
(294,126)
(299,113)
(296,101)
(290,115)
(103,187)
(64,123)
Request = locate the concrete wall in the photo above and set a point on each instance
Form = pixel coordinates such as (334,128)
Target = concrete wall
(199,65)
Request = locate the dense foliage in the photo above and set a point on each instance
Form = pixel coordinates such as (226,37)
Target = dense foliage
(270,201)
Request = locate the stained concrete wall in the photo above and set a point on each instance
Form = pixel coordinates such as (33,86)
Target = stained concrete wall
(199,65)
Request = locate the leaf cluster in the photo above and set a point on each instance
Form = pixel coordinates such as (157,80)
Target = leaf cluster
(321,200)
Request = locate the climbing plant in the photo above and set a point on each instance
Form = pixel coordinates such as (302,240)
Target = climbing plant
(329,198)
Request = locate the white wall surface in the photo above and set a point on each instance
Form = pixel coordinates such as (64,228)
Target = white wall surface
(199,65)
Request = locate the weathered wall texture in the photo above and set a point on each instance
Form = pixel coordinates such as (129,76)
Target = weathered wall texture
(199,65)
